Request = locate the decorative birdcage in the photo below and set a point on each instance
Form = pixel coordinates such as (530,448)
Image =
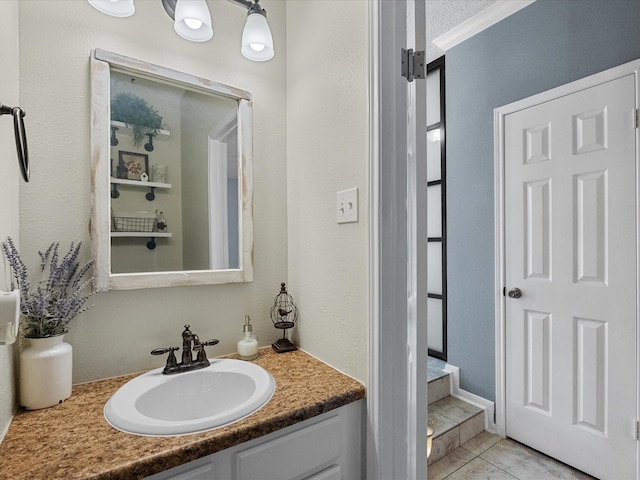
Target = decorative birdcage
(284,315)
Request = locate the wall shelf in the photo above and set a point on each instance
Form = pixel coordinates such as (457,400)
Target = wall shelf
(150,195)
(138,183)
(151,244)
(123,128)
(141,234)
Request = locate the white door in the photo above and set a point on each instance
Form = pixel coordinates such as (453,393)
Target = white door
(570,228)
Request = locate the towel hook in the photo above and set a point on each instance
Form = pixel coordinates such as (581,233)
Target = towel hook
(21,137)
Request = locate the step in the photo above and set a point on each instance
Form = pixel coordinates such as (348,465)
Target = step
(438,379)
(454,421)
(439,388)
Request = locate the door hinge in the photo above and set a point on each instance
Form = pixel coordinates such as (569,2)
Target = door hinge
(636,119)
(636,430)
(412,64)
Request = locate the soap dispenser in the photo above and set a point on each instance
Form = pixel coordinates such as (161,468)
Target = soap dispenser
(248,344)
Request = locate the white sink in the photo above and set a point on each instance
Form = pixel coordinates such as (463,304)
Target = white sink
(155,404)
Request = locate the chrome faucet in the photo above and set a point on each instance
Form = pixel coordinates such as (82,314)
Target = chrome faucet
(190,342)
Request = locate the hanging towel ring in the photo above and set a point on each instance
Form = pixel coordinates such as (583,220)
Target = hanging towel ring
(21,137)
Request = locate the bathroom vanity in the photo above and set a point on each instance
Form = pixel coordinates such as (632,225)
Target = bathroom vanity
(326,447)
(310,429)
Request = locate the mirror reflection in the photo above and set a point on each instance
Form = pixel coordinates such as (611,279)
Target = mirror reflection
(177,160)
(174,173)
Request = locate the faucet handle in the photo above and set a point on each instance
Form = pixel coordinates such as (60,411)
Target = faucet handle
(202,355)
(172,363)
(162,351)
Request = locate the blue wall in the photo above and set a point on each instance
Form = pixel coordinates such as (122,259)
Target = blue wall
(547,44)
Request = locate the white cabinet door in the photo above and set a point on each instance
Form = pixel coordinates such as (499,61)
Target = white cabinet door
(201,469)
(331,473)
(294,456)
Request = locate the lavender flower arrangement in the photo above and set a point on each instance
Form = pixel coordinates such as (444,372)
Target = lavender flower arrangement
(58,296)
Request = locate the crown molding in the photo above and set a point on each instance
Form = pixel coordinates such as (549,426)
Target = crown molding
(483,20)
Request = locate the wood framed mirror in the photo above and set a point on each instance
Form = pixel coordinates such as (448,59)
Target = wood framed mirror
(172,177)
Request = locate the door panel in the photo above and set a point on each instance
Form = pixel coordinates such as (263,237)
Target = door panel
(590,233)
(570,226)
(538,361)
(538,229)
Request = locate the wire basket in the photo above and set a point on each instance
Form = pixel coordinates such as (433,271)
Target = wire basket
(134,222)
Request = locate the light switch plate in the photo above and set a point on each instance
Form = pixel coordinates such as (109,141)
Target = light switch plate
(347,206)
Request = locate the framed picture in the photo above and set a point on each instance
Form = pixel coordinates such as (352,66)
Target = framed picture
(134,164)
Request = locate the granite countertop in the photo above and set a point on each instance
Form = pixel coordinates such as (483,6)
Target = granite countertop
(73,440)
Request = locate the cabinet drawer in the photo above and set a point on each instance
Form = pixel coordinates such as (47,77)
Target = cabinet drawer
(293,456)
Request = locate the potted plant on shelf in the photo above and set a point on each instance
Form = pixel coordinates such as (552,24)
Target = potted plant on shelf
(145,120)
(47,307)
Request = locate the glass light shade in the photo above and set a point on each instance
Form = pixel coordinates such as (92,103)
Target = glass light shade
(257,42)
(115,8)
(193,20)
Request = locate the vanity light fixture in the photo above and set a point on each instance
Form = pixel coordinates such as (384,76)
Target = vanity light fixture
(192,21)
(257,42)
(115,8)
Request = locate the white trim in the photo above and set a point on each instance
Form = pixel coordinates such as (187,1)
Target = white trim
(142,68)
(499,243)
(373,94)
(218,205)
(411,293)
(479,22)
(455,391)
(225,127)
(631,68)
(637,199)
(390,408)
(417,368)
(219,139)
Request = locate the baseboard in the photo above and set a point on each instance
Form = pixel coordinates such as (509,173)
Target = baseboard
(487,405)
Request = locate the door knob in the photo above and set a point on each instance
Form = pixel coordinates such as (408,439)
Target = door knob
(515,293)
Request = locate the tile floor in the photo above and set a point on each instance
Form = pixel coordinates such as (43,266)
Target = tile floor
(489,457)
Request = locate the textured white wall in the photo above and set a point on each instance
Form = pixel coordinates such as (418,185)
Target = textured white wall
(9,181)
(326,152)
(117,334)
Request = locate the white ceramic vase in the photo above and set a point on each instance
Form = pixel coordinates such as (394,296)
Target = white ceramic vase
(45,372)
